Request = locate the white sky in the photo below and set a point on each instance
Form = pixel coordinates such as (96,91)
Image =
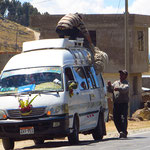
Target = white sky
(90,6)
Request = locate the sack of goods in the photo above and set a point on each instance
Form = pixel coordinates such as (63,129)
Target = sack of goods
(100,60)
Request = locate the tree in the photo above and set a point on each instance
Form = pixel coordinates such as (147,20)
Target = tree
(12,8)
(15,11)
(3,7)
(28,10)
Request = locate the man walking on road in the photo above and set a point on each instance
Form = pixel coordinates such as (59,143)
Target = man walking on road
(120,90)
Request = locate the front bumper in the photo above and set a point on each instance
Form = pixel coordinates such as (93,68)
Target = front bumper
(47,128)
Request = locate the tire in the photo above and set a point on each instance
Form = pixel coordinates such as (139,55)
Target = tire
(74,136)
(8,143)
(98,131)
(38,141)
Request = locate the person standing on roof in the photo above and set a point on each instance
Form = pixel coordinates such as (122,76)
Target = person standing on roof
(73,26)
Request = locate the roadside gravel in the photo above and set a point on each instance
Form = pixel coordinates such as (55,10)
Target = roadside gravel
(133,127)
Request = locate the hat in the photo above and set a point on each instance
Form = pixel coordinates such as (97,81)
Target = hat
(123,71)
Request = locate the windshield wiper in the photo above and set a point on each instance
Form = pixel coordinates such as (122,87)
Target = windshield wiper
(45,91)
(30,92)
(8,94)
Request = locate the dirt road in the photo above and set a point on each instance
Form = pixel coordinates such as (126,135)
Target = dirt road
(36,34)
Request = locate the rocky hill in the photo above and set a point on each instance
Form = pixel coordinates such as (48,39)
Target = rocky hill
(12,35)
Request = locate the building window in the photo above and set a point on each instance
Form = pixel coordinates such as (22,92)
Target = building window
(140,40)
(135,85)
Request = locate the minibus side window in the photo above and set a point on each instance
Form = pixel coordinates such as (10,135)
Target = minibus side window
(68,76)
(102,81)
(81,78)
(89,77)
(95,77)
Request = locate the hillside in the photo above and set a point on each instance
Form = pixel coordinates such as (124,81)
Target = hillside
(12,35)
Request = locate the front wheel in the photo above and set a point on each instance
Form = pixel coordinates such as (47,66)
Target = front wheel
(98,131)
(74,136)
(8,143)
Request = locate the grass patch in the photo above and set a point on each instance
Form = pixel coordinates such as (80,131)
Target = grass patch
(12,35)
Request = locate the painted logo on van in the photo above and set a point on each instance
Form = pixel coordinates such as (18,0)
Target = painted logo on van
(26,106)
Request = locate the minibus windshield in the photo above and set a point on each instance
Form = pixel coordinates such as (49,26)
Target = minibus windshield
(31,79)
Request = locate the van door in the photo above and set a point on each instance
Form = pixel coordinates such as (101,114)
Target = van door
(83,98)
(76,101)
(95,95)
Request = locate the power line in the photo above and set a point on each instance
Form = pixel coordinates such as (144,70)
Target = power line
(41,1)
(118,6)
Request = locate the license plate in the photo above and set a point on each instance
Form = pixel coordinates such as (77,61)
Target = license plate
(26,130)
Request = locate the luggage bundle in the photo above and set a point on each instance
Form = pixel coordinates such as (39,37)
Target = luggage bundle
(99,60)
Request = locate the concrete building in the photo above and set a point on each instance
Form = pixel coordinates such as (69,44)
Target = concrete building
(107,32)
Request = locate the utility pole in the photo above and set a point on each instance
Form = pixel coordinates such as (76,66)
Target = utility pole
(16,37)
(126,37)
(127,56)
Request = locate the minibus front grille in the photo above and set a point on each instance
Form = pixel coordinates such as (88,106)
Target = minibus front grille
(36,112)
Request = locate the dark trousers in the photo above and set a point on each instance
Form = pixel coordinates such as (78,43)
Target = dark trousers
(73,34)
(120,114)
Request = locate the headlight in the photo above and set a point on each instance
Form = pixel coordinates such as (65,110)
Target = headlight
(57,109)
(3,115)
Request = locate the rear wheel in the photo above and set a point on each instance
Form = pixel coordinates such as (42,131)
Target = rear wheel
(74,136)
(8,143)
(38,141)
(98,131)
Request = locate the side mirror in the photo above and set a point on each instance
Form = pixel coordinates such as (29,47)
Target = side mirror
(72,85)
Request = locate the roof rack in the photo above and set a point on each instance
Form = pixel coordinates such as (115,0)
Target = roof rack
(52,43)
(79,42)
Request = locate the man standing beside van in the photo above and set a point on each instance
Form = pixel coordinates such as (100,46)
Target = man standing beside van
(73,26)
(120,90)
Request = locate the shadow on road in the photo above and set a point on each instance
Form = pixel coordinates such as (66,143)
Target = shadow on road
(48,144)
(56,144)
(110,139)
